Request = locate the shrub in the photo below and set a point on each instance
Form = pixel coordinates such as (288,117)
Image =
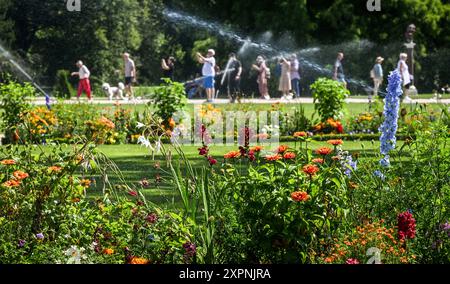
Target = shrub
(329,97)
(14,103)
(63,88)
(169,98)
(294,120)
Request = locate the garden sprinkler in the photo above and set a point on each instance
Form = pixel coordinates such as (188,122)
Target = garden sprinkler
(4,53)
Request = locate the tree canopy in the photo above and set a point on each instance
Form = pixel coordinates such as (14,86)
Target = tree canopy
(50,38)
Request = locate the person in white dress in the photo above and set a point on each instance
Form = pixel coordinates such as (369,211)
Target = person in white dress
(403,69)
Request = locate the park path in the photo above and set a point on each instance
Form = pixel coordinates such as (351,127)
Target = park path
(102,101)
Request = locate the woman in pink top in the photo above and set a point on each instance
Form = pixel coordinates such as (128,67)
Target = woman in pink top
(263,75)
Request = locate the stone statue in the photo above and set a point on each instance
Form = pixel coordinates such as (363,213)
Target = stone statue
(410,33)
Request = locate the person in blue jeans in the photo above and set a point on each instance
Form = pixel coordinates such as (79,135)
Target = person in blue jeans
(295,75)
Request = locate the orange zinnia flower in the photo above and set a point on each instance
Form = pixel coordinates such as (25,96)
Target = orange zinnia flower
(75,200)
(12,183)
(299,196)
(108,251)
(85,183)
(256,149)
(318,161)
(19,175)
(300,134)
(335,142)
(310,169)
(323,151)
(289,156)
(272,158)
(172,123)
(232,155)
(8,162)
(282,149)
(139,260)
(55,169)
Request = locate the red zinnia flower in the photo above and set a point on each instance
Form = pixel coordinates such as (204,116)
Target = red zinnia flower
(318,161)
(133,193)
(212,161)
(310,169)
(19,175)
(203,151)
(282,149)
(289,156)
(300,196)
(339,128)
(335,142)
(300,134)
(323,151)
(152,218)
(251,155)
(272,158)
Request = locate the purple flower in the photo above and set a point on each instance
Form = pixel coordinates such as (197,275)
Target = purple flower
(379,174)
(190,249)
(391,108)
(40,236)
(446,228)
(152,218)
(21,243)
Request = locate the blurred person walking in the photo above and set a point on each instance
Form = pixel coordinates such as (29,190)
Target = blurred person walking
(263,77)
(285,86)
(295,75)
(377,76)
(338,72)
(130,75)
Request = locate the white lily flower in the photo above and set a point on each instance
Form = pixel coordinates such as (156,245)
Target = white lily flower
(144,141)
(158,146)
(140,125)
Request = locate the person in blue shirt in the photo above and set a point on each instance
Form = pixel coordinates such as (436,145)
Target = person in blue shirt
(377,76)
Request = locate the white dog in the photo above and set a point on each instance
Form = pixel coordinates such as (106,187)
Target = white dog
(113,91)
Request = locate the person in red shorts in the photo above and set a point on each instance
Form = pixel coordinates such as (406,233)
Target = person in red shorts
(84,85)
